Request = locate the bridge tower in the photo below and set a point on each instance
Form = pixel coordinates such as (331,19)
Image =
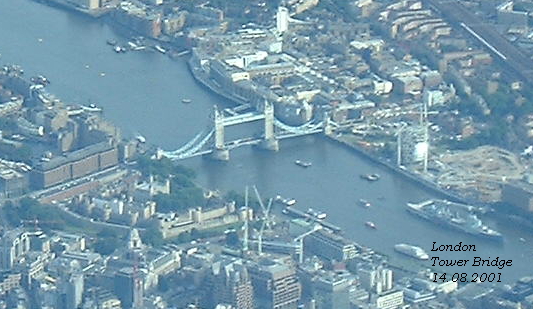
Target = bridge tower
(220,152)
(328,128)
(270,142)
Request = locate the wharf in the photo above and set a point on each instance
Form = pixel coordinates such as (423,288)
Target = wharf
(433,187)
(298,213)
(200,76)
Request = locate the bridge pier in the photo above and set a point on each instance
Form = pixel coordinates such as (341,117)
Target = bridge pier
(328,128)
(219,154)
(271,144)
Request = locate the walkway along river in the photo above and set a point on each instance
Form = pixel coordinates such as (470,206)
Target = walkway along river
(142,92)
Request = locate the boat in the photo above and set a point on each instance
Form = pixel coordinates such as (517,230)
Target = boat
(371,224)
(302,163)
(111,42)
(92,108)
(140,138)
(412,251)
(186,101)
(285,211)
(285,201)
(316,215)
(456,216)
(371,177)
(160,49)
(40,80)
(364,203)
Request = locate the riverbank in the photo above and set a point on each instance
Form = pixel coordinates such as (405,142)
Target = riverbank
(404,173)
(96,13)
(201,77)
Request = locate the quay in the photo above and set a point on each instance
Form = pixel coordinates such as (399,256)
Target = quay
(300,214)
(433,187)
(200,76)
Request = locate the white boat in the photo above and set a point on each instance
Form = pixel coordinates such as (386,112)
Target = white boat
(364,203)
(92,108)
(140,138)
(371,177)
(285,201)
(321,215)
(302,163)
(160,49)
(371,224)
(412,251)
(186,101)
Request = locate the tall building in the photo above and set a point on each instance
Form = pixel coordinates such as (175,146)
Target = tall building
(14,245)
(232,285)
(412,145)
(330,246)
(375,279)
(129,288)
(275,285)
(331,292)
(282,19)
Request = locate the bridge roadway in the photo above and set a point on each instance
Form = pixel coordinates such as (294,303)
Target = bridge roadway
(514,59)
(251,141)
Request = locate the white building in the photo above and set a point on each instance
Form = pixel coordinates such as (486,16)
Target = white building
(282,19)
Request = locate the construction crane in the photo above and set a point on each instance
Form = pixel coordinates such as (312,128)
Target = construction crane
(245,240)
(266,220)
(297,243)
(300,242)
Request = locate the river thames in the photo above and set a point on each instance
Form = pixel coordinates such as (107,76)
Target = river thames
(141,92)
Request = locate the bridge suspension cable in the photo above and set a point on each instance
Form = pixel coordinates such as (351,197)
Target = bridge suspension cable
(187,146)
(306,127)
(191,147)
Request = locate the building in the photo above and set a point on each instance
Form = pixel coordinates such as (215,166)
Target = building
(390,300)
(330,246)
(232,285)
(14,245)
(87,4)
(412,145)
(129,288)
(74,165)
(375,279)
(9,281)
(331,291)
(12,182)
(71,288)
(275,285)
(282,19)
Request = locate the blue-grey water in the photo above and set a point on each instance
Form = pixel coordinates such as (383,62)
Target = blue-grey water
(142,92)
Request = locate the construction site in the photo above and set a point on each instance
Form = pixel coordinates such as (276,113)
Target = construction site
(480,172)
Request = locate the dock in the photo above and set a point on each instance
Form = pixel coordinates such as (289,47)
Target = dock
(300,214)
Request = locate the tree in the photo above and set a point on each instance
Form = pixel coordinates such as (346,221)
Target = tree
(106,246)
(152,235)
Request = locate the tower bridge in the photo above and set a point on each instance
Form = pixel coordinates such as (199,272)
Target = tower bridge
(211,141)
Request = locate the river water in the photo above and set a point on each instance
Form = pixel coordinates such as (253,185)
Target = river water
(142,92)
